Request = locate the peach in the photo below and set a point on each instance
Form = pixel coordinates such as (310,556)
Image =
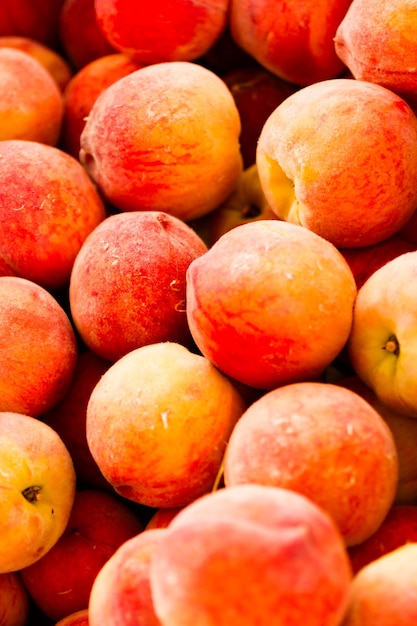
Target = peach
(182,410)
(180,30)
(14,600)
(48,206)
(250,555)
(325,442)
(78,618)
(80,36)
(161,518)
(270,303)
(340,158)
(290,39)
(60,582)
(398,528)
(127,286)
(384,591)
(37,345)
(121,592)
(83,90)
(165,138)
(37,487)
(361,42)
(37,20)
(31,103)
(68,418)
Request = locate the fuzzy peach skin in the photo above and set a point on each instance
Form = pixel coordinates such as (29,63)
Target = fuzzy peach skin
(60,582)
(382,345)
(325,442)
(83,90)
(121,592)
(165,138)
(128,282)
(270,303)
(14,600)
(48,206)
(31,103)
(250,555)
(38,348)
(384,592)
(79,618)
(377,42)
(158,422)
(340,158)
(291,39)
(180,30)
(37,486)
(37,20)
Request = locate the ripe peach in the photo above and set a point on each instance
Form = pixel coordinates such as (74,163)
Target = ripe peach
(60,582)
(48,206)
(127,285)
(14,600)
(180,30)
(183,411)
(250,555)
(291,39)
(31,103)
(37,346)
(164,138)
(384,591)
(270,303)
(346,151)
(37,20)
(83,90)
(325,442)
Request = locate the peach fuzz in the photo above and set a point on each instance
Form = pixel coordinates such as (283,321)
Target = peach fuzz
(183,411)
(121,592)
(37,20)
(250,554)
(38,348)
(83,90)
(270,303)
(128,282)
(60,582)
(165,138)
(48,206)
(324,442)
(361,42)
(340,158)
(384,591)
(14,600)
(79,618)
(180,30)
(31,103)
(291,39)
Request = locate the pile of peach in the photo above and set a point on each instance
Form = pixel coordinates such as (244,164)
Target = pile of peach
(208,304)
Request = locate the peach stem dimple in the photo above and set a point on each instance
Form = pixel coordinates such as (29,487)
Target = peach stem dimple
(392,345)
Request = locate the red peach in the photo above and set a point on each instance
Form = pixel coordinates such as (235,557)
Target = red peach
(180,30)
(48,206)
(165,138)
(37,345)
(325,442)
(127,286)
(37,20)
(250,555)
(60,582)
(14,600)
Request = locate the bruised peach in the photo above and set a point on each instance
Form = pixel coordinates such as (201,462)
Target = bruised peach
(164,138)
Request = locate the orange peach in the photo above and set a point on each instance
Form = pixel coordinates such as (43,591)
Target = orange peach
(180,30)
(37,20)
(31,103)
(128,282)
(60,582)
(270,303)
(250,555)
(291,39)
(325,442)
(340,158)
(48,206)
(182,410)
(14,600)
(164,138)
(384,591)
(83,90)
(37,345)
